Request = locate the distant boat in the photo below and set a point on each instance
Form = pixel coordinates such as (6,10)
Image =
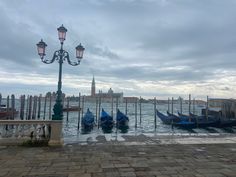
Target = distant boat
(7,112)
(87,121)
(122,121)
(71,108)
(106,122)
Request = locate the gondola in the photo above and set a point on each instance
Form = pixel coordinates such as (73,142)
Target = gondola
(188,122)
(226,123)
(220,121)
(87,121)
(202,121)
(106,122)
(175,121)
(167,119)
(182,118)
(122,121)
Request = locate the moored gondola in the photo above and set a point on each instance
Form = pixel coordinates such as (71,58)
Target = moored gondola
(167,119)
(184,118)
(122,121)
(175,121)
(87,121)
(106,122)
(204,121)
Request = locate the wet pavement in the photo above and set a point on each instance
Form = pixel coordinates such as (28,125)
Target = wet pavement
(150,138)
(135,156)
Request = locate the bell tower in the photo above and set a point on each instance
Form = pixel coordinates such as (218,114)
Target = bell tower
(93,89)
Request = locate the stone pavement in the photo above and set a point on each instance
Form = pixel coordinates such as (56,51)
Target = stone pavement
(114,160)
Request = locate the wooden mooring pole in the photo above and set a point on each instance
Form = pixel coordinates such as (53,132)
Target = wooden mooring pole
(79,112)
(116,113)
(7,110)
(181,105)
(189,107)
(136,102)
(140,111)
(39,105)
(67,106)
(189,104)
(12,106)
(126,106)
(34,107)
(111,105)
(172,105)
(44,108)
(30,108)
(22,106)
(117,104)
(27,108)
(99,110)
(82,113)
(207,108)
(155,114)
(117,107)
(50,106)
(168,102)
(96,110)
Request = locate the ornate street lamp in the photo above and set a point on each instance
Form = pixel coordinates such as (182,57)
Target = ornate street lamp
(60,55)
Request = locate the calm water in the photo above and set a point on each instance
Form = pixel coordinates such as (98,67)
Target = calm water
(145,124)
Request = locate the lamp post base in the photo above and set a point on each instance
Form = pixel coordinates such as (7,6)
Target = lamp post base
(56,133)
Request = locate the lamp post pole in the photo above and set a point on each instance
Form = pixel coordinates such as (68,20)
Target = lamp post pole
(60,55)
(58,107)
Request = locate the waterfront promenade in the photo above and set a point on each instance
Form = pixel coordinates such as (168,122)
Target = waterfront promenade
(139,156)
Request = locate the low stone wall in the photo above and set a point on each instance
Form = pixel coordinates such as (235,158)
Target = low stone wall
(15,132)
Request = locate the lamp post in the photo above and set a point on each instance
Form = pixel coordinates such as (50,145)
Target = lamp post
(61,56)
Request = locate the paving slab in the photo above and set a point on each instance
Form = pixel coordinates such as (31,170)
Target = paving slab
(130,158)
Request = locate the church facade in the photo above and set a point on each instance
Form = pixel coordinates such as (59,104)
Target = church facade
(104,96)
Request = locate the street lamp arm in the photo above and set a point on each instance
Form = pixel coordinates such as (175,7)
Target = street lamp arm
(73,63)
(55,57)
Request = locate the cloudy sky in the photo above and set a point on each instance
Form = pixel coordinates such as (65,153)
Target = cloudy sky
(145,48)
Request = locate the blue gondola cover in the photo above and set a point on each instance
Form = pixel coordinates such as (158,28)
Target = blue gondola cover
(88,120)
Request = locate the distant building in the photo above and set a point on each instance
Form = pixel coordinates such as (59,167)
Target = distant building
(227,107)
(93,88)
(105,97)
(217,102)
(131,99)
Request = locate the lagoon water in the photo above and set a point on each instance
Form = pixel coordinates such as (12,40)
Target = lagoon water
(145,124)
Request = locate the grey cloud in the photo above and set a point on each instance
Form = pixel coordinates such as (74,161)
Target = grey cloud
(102,51)
(154,73)
(226,89)
(15,41)
(120,33)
